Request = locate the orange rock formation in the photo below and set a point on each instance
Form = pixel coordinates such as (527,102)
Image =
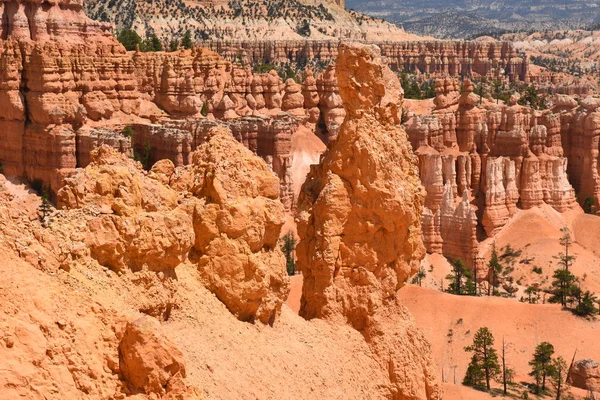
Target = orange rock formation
(359,225)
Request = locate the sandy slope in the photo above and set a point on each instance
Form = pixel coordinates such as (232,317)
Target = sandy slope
(449,323)
(306,151)
(59,333)
(537,232)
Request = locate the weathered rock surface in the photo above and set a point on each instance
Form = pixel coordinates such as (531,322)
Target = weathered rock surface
(359,224)
(440,57)
(585,374)
(237,227)
(499,157)
(148,360)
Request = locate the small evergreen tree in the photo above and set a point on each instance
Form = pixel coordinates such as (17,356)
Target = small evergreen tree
(418,278)
(288,248)
(45,209)
(186,41)
(541,365)
(204,110)
(494,268)
(461,279)
(586,304)
(558,376)
(129,39)
(174,45)
(128,131)
(563,287)
(152,43)
(484,363)
(303,28)
(564,258)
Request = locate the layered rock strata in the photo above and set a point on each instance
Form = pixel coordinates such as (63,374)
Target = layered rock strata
(359,225)
(453,58)
(498,157)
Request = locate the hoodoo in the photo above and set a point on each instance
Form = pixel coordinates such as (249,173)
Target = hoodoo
(359,224)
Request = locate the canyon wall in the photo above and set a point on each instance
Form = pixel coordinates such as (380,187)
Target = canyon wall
(481,161)
(447,57)
(68,86)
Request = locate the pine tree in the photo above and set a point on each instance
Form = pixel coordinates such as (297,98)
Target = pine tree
(174,45)
(558,374)
(288,248)
(507,373)
(204,110)
(586,304)
(541,365)
(45,209)
(186,41)
(494,268)
(564,258)
(152,43)
(418,278)
(484,363)
(564,281)
(563,287)
(461,279)
(129,39)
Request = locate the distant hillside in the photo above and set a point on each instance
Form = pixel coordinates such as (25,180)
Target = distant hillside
(472,18)
(242,19)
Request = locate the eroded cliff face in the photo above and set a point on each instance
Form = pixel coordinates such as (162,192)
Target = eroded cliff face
(132,229)
(481,162)
(359,225)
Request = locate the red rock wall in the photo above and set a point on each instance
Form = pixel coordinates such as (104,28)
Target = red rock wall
(443,57)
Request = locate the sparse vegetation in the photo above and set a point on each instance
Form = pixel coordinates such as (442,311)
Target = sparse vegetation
(541,366)
(418,278)
(461,279)
(129,39)
(416,89)
(186,41)
(145,157)
(484,364)
(566,288)
(288,248)
(45,209)
(128,131)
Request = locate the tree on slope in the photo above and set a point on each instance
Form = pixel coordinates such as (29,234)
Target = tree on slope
(563,285)
(541,365)
(558,376)
(484,364)
(494,268)
(288,248)
(129,39)
(507,373)
(187,42)
(461,279)
(586,304)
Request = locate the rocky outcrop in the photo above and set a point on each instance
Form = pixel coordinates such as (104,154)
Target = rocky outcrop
(585,374)
(237,227)
(359,225)
(132,224)
(330,104)
(136,225)
(149,362)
